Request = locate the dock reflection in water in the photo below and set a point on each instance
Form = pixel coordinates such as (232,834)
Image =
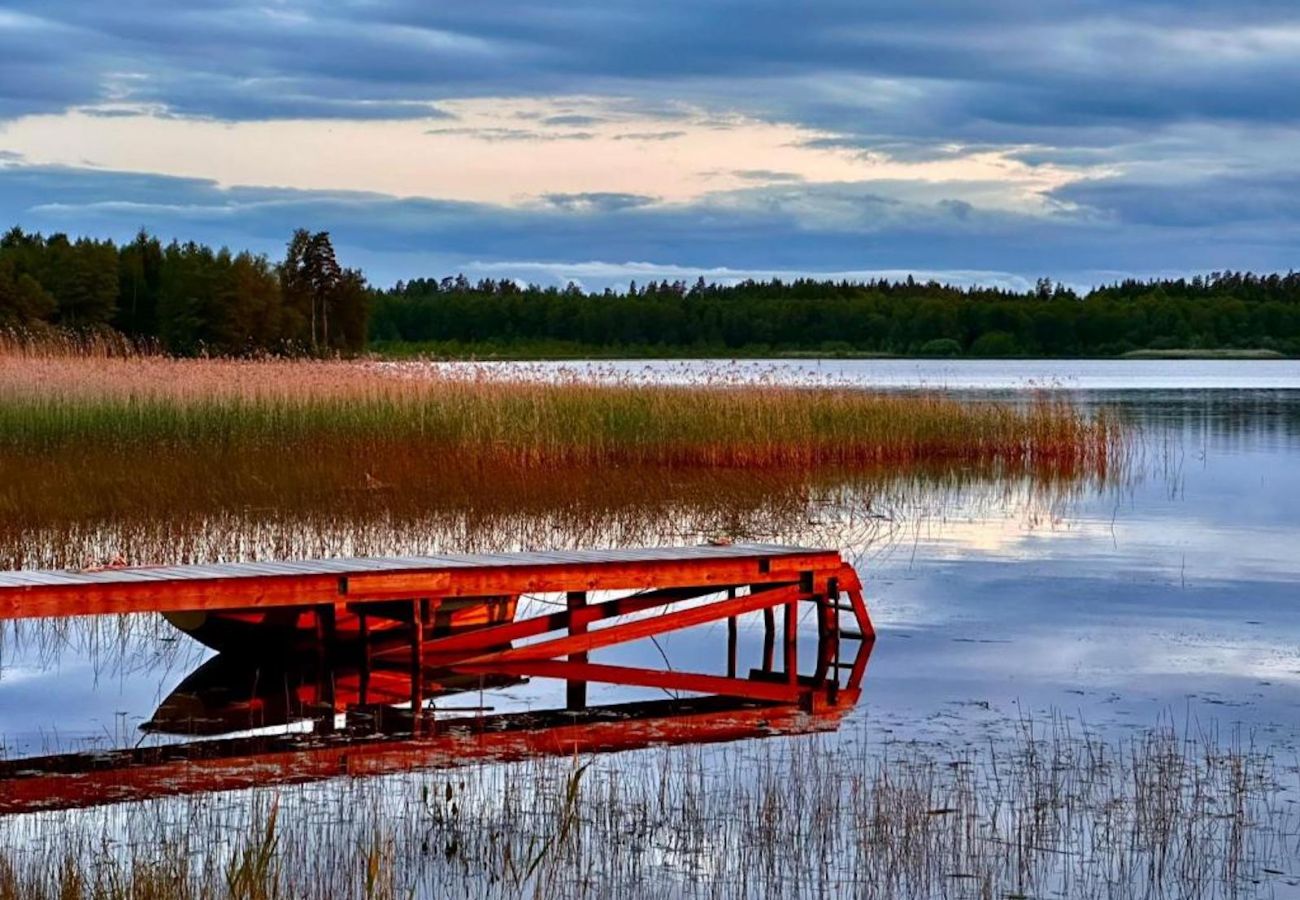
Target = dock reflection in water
(353,718)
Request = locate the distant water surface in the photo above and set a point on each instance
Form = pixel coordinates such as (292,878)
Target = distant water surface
(955,375)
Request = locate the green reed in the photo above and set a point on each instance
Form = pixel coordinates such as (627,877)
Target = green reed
(538,425)
(522,418)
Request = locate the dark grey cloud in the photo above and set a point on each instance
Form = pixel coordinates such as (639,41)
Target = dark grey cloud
(794,228)
(884,69)
(1211,202)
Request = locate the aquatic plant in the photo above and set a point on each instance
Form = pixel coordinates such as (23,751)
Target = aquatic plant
(469,415)
(1052,809)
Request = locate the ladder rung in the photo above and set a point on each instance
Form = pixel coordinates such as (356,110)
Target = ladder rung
(851,635)
(843,607)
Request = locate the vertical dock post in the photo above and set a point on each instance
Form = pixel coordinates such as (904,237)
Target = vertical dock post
(326,651)
(769,639)
(576,691)
(792,641)
(363,625)
(731,638)
(419,614)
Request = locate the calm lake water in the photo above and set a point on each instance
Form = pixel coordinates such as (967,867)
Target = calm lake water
(956,375)
(1170,594)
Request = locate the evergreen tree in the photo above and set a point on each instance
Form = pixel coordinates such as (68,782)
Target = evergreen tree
(23,302)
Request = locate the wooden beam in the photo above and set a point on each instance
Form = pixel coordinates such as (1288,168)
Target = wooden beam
(642,628)
(769,639)
(256,592)
(576,690)
(732,639)
(419,616)
(497,635)
(791,632)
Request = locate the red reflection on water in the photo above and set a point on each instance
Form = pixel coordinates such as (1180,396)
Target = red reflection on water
(379,738)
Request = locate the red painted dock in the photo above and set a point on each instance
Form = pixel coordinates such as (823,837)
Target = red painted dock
(417,649)
(721,582)
(45,594)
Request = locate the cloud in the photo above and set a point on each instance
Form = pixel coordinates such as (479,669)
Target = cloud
(1213,202)
(514,134)
(1093,136)
(597,202)
(880,227)
(766,175)
(572,120)
(649,135)
(889,70)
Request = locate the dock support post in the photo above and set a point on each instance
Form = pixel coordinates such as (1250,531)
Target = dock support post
(419,615)
(326,652)
(769,639)
(792,641)
(576,690)
(363,625)
(731,639)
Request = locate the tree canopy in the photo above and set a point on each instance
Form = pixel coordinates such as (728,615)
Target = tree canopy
(188,297)
(1222,310)
(191,298)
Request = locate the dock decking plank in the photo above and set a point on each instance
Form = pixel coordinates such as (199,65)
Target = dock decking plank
(27,594)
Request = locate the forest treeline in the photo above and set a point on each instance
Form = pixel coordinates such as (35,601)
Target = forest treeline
(187,298)
(190,298)
(1221,311)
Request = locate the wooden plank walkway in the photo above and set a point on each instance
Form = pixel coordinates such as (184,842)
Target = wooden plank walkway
(44,594)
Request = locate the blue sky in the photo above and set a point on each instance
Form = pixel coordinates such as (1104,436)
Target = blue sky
(603,141)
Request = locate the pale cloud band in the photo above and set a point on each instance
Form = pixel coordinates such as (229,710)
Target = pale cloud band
(508,151)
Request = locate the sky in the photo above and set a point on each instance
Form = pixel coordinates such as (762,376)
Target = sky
(609,140)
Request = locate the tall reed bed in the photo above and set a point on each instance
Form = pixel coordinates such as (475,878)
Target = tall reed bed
(159,406)
(1051,811)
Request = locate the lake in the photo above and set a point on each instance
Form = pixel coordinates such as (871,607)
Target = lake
(954,375)
(1167,593)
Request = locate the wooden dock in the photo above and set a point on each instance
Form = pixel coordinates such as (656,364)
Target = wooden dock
(720,582)
(47,594)
(605,598)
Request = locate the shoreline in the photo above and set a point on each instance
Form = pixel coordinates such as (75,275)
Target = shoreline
(667,354)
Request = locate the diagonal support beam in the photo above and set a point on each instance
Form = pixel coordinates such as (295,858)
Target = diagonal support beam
(642,628)
(852,585)
(860,613)
(498,635)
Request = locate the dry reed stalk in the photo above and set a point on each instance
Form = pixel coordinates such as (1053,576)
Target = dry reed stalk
(465,419)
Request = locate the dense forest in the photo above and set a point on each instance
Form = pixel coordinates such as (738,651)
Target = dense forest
(188,298)
(1221,311)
